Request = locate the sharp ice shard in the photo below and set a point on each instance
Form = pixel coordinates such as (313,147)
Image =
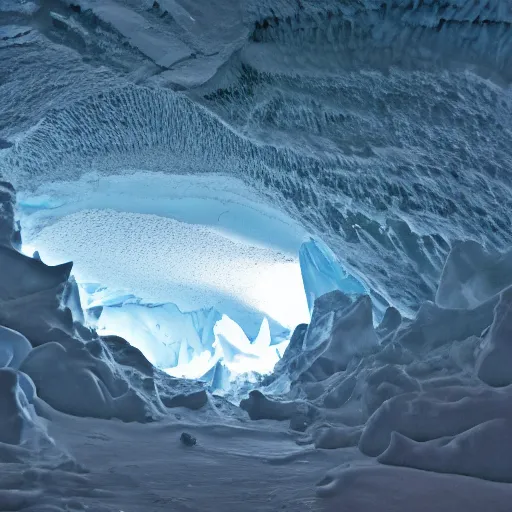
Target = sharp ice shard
(322,273)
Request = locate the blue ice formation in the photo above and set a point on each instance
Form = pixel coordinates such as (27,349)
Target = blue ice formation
(204,344)
(166,336)
(322,273)
(217,378)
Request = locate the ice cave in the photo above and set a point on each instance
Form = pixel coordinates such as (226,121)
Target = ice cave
(255,255)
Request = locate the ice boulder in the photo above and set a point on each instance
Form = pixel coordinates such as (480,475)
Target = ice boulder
(389,324)
(386,382)
(339,331)
(494,364)
(435,326)
(328,308)
(194,400)
(259,407)
(288,363)
(71,380)
(128,355)
(330,438)
(472,275)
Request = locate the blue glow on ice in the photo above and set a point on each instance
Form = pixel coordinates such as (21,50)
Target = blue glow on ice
(207,280)
(322,272)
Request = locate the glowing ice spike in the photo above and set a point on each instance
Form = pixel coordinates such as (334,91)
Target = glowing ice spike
(264,339)
(323,273)
(198,367)
(240,356)
(221,378)
(231,338)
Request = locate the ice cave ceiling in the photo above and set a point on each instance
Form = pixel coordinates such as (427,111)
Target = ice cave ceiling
(382,129)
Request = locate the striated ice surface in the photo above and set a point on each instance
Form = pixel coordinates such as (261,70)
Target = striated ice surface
(373,134)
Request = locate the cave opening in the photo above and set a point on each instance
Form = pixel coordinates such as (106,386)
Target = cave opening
(198,272)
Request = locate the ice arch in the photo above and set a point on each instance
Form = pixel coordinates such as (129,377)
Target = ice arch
(192,270)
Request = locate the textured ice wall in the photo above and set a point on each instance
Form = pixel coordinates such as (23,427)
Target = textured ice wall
(377,126)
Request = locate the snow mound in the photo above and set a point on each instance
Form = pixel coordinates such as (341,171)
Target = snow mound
(471,275)
(360,488)
(15,417)
(73,381)
(14,347)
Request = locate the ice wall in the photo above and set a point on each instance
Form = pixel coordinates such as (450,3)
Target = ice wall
(205,345)
(182,240)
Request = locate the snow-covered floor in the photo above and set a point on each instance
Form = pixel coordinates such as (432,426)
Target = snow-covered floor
(232,468)
(254,467)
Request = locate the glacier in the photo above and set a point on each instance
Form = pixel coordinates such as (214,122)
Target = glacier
(281,227)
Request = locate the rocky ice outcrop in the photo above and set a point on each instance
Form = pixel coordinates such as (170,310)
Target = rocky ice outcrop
(52,354)
(472,275)
(494,362)
(433,392)
(70,379)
